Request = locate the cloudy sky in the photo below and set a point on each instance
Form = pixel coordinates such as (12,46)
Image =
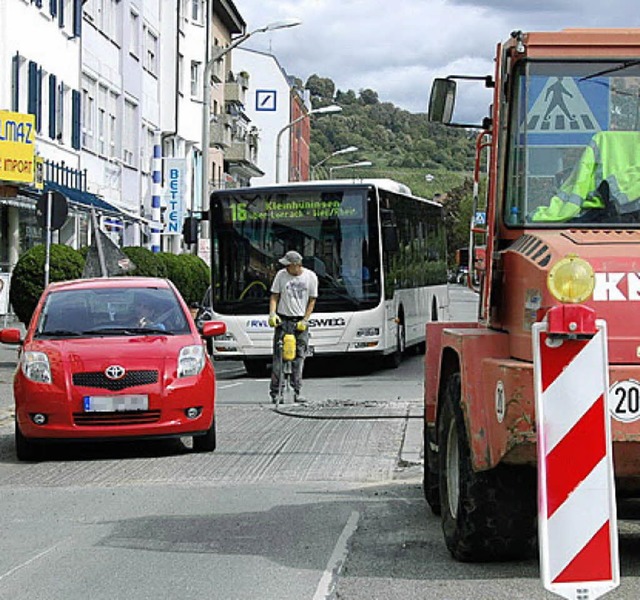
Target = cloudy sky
(397,47)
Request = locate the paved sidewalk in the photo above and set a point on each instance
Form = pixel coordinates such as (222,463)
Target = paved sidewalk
(8,361)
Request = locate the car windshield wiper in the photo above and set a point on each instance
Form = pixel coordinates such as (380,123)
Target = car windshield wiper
(147,330)
(60,333)
(127,331)
(625,65)
(107,331)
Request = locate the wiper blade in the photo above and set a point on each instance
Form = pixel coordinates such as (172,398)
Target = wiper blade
(107,331)
(127,331)
(60,333)
(147,330)
(620,67)
(333,293)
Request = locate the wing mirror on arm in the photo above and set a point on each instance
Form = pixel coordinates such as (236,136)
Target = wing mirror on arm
(442,100)
(11,336)
(213,328)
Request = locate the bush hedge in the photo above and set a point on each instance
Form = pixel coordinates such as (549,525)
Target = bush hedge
(147,263)
(189,273)
(27,279)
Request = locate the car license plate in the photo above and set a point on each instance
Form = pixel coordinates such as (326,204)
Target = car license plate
(116,403)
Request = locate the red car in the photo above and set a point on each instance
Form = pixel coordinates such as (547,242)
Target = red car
(112,358)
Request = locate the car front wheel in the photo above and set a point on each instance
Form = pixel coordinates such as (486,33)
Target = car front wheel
(206,442)
(26,450)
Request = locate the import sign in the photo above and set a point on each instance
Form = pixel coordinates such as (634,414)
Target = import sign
(17,146)
(175,174)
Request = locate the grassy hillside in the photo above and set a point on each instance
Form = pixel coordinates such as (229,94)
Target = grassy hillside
(432,159)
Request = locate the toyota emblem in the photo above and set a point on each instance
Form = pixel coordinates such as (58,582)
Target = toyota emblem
(114,372)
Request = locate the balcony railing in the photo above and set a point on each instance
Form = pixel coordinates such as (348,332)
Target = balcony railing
(59,173)
(220,133)
(235,92)
(241,151)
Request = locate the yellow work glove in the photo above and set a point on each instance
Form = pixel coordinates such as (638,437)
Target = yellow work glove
(301,325)
(274,320)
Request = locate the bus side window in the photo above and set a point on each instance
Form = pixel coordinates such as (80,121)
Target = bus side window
(389,231)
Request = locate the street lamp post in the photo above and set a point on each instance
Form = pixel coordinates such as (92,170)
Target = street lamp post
(314,111)
(326,158)
(206,97)
(363,163)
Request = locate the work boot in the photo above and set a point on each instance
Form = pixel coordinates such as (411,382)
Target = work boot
(298,397)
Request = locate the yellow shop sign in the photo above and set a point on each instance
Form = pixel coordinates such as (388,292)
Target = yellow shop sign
(17,146)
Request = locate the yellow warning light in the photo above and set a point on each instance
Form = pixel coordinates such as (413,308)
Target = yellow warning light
(571,279)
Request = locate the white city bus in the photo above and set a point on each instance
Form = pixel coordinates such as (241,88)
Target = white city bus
(379,253)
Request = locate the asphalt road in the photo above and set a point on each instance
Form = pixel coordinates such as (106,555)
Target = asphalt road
(317,506)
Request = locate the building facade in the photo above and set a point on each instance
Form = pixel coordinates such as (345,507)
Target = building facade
(270,108)
(40,75)
(116,90)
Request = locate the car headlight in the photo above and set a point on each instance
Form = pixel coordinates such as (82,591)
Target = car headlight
(190,361)
(35,366)
(571,279)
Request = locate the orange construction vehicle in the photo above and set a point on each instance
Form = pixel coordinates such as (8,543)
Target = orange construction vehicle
(560,226)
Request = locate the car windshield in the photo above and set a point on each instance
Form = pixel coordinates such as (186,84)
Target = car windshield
(111,312)
(574,145)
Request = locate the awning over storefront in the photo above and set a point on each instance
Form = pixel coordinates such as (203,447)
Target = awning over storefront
(82,198)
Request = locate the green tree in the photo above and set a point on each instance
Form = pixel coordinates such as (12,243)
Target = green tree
(369,97)
(320,88)
(27,278)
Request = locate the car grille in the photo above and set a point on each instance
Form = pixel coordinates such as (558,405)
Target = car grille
(97,379)
(135,417)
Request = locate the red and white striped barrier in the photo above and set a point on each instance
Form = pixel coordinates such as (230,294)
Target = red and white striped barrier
(577,526)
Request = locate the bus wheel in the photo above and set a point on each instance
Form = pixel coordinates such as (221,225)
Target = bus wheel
(256,368)
(394,359)
(486,515)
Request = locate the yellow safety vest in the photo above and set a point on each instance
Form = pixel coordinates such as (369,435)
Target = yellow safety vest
(612,157)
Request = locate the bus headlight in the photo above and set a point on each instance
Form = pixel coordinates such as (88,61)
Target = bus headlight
(226,342)
(571,279)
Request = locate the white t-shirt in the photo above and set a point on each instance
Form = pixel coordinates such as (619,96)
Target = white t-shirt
(295,291)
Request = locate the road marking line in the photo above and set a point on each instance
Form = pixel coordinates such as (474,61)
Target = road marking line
(329,578)
(32,559)
(230,385)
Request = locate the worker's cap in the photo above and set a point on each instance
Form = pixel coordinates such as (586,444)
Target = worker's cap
(291,258)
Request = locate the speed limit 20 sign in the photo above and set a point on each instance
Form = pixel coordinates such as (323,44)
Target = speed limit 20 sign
(624,400)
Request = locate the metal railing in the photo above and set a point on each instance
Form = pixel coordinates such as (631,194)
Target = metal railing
(59,173)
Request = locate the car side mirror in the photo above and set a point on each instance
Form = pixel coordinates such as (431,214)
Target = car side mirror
(213,328)
(11,336)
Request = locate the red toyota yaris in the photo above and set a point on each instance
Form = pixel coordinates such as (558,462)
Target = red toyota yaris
(112,358)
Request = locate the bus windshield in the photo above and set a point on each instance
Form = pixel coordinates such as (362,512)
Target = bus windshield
(335,230)
(574,145)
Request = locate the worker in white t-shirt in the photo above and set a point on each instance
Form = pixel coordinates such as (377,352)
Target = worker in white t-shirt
(293,297)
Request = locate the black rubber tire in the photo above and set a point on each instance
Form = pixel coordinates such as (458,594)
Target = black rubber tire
(491,516)
(256,368)
(392,361)
(430,483)
(26,450)
(206,442)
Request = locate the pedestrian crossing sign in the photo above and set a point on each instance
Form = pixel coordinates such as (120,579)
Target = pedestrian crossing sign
(566,110)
